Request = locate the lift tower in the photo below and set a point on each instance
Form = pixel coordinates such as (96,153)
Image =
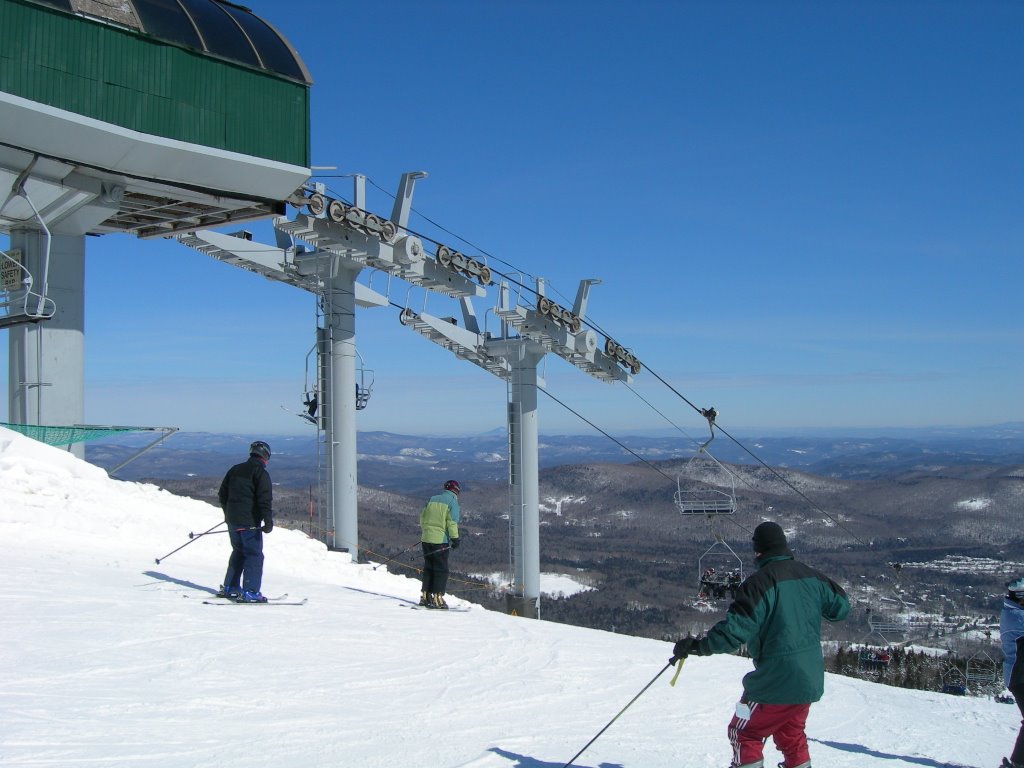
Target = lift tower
(344,239)
(527,334)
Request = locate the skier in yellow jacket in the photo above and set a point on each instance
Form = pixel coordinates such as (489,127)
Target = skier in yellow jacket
(439,526)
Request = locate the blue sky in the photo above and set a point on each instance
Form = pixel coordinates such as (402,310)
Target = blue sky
(805,214)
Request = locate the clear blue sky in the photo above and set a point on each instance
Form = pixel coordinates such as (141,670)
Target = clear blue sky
(805,214)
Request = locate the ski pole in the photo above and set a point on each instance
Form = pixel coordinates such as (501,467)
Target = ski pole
(670,663)
(191,538)
(395,557)
(204,533)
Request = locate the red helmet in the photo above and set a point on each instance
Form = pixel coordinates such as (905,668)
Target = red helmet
(453,486)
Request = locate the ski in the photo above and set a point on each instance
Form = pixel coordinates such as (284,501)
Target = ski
(269,602)
(449,609)
(225,597)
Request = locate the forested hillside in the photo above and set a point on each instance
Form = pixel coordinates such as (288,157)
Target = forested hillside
(614,527)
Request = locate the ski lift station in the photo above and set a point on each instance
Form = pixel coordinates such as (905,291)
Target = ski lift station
(146,118)
(179,118)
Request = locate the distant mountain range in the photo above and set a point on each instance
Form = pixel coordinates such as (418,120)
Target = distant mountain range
(853,505)
(408,463)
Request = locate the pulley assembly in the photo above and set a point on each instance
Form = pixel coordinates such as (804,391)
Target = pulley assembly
(463,264)
(622,355)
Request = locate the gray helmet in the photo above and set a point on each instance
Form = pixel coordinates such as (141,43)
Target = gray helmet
(260,449)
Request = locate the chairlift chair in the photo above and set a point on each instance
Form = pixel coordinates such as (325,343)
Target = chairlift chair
(311,396)
(982,668)
(17,296)
(953,681)
(706,500)
(719,570)
(885,626)
(364,387)
(871,659)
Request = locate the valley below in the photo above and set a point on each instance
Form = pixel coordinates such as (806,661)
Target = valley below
(923,547)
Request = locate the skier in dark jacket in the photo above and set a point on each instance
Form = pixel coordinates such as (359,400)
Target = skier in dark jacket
(1011,634)
(777,613)
(246,496)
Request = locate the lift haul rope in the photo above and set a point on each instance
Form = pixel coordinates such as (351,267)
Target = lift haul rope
(707,413)
(597,328)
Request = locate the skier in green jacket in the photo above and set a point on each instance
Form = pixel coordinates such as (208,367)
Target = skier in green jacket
(439,527)
(777,613)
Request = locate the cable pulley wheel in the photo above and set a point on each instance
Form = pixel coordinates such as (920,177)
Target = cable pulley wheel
(336,211)
(355,218)
(373,224)
(444,256)
(316,203)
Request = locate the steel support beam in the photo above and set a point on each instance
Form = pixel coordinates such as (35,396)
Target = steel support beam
(524,473)
(46,360)
(340,320)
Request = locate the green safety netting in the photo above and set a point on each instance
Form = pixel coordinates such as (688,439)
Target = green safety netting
(68,435)
(79,433)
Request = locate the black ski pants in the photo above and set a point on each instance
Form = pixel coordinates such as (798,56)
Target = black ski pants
(435,567)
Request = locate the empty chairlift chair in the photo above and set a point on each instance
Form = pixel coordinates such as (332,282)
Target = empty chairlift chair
(364,387)
(703,499)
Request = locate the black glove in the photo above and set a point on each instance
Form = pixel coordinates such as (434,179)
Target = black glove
(688,646)
(268,527)
(455,543)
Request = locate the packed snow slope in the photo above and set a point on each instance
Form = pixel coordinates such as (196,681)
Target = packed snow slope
(108,659)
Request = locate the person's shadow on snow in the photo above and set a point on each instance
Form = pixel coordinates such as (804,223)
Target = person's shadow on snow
(524,761)
(180,582)
(862,750)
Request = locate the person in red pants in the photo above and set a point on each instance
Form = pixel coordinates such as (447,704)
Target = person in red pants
(777,613)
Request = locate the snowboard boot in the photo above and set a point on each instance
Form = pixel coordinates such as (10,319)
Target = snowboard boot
(439,601)
(424,598)
(755,764)
(805,764)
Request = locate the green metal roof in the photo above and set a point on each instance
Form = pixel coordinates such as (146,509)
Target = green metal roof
(203,72)
(216,27)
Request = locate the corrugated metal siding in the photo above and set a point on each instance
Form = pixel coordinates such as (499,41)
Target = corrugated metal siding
(132,81)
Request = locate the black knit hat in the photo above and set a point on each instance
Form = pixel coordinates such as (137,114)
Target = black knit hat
(769,537)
